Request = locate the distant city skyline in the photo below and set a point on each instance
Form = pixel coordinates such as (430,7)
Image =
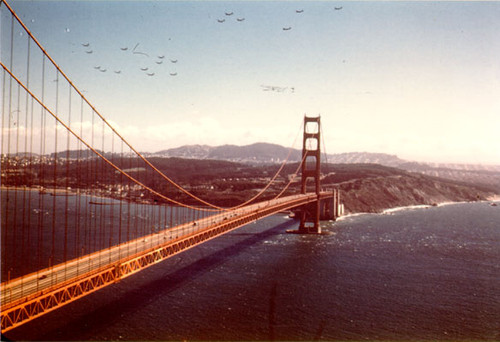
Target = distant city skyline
(420,80)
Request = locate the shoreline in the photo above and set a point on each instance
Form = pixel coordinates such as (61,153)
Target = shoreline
(48,191)
(390,211)
(79,192)
(59,192)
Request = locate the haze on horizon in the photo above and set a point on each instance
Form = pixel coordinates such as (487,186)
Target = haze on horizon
(416,79)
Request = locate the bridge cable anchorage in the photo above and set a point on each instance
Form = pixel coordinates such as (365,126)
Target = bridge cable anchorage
(122,138)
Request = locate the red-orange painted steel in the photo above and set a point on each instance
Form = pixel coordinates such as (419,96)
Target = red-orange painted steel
(310,215)
(25,309)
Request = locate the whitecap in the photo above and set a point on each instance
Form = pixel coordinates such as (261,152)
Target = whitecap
(409,207)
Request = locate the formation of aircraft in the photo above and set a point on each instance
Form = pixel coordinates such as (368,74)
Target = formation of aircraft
(276,88)
(159,61)
(134,51)
(228,14)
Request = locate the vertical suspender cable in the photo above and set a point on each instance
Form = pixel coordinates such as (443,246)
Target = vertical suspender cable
(9,113)
(93,173)
(66,198)
(41,206)
(101,207)
(4,217)
(79,165)
(324,149)
(112,182)
(27,202)
(54,180)
(120,212)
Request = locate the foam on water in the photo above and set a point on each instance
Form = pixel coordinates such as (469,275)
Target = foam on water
(409,207)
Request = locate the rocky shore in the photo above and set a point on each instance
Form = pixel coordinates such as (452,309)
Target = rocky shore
(375,195)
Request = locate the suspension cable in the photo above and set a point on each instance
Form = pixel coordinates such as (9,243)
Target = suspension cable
(293,177)
(97,152)
(324,146)
(214,209)
(104,120)
(177,186)
(275,175)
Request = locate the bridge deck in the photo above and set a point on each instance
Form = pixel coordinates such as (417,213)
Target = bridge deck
(30,296)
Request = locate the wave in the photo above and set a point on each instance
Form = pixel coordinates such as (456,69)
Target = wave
(347,216)
(408,207)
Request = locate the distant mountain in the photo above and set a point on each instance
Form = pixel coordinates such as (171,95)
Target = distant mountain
(365,187)
(258,153)
(366,158)
(264,153)
(269,154)
(488,175)
(255,153)
(186,151)
(76,154)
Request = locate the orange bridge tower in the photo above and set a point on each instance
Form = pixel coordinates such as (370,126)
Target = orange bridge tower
(311,156)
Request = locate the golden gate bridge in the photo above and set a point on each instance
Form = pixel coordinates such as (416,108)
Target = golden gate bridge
(82,208)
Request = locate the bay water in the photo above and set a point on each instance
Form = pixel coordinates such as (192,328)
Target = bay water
(428,273)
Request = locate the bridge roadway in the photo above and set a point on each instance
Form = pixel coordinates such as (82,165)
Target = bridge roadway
(27,297)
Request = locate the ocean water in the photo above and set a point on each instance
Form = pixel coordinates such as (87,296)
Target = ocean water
(413,274)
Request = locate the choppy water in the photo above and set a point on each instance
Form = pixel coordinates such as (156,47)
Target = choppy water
(415,274)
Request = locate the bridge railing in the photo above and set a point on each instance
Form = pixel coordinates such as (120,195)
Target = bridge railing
(29,297)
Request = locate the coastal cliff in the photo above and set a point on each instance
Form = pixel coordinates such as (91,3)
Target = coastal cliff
(379,188)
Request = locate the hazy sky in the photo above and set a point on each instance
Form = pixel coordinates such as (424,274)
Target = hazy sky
(416,79)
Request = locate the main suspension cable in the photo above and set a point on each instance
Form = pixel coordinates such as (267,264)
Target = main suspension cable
(275,175)
(104,120)
(141,156)
(324,148)
(97,152)
(293,177)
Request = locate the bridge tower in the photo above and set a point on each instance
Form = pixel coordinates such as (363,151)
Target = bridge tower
(311,156)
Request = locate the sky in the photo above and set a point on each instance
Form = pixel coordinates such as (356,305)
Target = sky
(417,79)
